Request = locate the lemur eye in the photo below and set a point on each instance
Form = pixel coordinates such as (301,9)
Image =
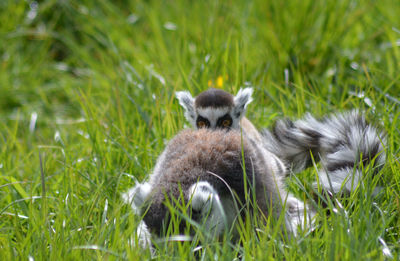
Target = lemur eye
(202,122)
(226,123)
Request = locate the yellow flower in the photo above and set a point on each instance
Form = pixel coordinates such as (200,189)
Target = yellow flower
(210,83)
(220,81)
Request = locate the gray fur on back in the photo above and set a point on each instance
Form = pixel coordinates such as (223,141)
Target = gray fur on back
(193,155)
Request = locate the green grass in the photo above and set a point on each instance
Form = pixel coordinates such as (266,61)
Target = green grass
(101,76)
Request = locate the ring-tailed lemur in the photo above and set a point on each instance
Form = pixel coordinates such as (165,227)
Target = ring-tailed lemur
(205,166)
(338,141)
(215,108)
(342,142)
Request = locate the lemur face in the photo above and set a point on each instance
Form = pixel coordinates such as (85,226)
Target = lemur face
(215,118)
(215,108)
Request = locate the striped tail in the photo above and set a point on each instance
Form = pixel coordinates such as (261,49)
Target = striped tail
(342,143)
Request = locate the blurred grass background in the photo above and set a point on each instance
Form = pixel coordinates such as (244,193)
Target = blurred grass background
(89,86)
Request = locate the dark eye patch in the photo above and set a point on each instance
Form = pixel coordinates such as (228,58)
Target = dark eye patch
(202,122)
(225,121)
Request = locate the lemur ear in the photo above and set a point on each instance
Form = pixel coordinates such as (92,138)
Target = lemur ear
(137,196)
(241,100)
(187,102)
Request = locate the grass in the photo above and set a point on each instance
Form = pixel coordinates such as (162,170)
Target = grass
(87,104)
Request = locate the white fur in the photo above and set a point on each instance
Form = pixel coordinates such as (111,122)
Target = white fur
(340,180)
(137,196)
(187,102)
(298,215)
(144,236)
(217,213)
(242,100)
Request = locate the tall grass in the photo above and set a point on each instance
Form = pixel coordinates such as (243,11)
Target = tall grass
(88,88)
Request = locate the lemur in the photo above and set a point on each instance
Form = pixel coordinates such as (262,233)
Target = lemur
(338,140)
(205,166)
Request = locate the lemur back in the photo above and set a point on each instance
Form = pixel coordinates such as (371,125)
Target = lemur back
(205,166)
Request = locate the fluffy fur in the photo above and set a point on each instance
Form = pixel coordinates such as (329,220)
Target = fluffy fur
(206,166)
(187,102)
(342,142)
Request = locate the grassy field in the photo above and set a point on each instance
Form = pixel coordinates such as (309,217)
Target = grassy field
(87,104)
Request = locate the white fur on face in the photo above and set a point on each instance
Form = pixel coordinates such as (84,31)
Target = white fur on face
(216,214)
(213,114)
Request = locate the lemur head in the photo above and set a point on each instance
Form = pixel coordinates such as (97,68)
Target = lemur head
(215,108)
